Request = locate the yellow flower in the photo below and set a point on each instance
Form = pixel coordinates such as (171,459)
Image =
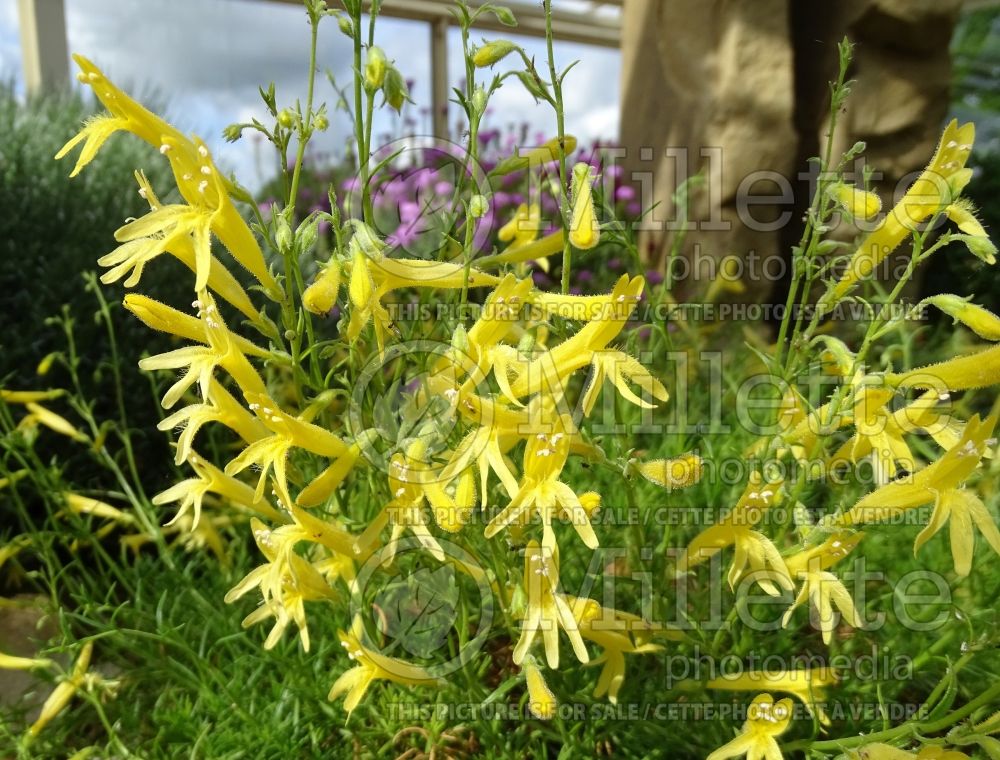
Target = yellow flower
(38,414)
(541,490)
(976,370)
(191,492)
(943,484)
(881,433)
(933,190)
(492,52)
(548,371)
(823,589)
(808,685)
(753,549)
(548,610)
(541,701)
(535,157)
(975,238)
(200,183)
(11,662)
(220,349)
(373,666)
(288,580)
(766,719)
(60,697)
(272,451)
(617,633)
(373,275)
(677,472)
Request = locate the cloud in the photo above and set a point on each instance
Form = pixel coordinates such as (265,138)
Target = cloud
(204,60)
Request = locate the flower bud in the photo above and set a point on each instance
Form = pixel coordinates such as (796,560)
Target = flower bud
(478,206)
(860,204)
(584,230)
(541,701)
(492,52)
(376,66)
(679,472)
(286,118)
(321,296)
(395,90)
(479,100)
(346,26)
(982,322)
(282,233)
(321,122)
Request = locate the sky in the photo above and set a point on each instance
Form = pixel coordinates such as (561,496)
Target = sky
(204,59)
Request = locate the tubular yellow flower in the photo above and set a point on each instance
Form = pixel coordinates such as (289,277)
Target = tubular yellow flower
(823,589)
(808,685)
(933,190)
(753,549)
(221,350)
(191,493)
(541,701)
(621,368)
(26,397)
(584,229)
(677,472)
(51,420)
(548,610)
(535,157)
(962,373)
(64,691)
(198,179)
(940,483)
(541,490)
(766,719)
(11,662)
(373,666)
(975,238)
(618,634)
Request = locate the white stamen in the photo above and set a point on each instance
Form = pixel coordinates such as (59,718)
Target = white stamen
(203,186)
(206,170)
(203,151)
(164,149)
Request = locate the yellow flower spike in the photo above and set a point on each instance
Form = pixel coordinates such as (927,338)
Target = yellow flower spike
(167,319)
(943,484)
(54,422)
(542,703)
(548,610)
(823,589)
(63,692)
(982,322)
(584,229)
(11,662)
(372,666)
(320,297)
(933,190)
(678,472)
(26,397)
(859,203)
(766,719)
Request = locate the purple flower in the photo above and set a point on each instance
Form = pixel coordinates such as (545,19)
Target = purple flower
(654,276)
(633,209)
(625,193)
(584,275)
(443,187)
(540,279)
(614,264)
